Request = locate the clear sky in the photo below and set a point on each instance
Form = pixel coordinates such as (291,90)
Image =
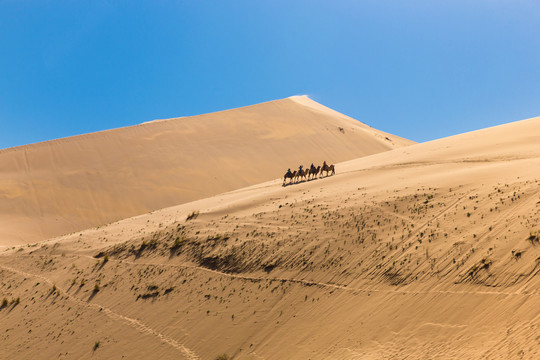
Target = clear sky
(418,69)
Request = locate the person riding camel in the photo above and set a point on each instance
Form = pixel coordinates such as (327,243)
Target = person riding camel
(289,173)
(300,168)
(324,164)
(312,167)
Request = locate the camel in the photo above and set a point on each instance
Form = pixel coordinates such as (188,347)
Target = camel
(328,168)
(313,173)
(302,174)
(289,175)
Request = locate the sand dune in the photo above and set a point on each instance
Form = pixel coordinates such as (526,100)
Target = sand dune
(429,251)
(64,185)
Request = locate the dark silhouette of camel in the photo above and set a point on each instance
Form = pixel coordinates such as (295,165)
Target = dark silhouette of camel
(328,168)
(289,175)
(314,172)
(302,174)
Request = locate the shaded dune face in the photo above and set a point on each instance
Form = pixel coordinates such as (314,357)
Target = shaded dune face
(60,186)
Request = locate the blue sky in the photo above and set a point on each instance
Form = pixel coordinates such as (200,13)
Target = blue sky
(418,69)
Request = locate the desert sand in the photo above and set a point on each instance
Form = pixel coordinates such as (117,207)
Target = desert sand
(61,186)
(429,251)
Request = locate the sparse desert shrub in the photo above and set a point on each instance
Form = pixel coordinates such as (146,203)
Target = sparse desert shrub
(192,215)
(143,246)
(178,242)
(148,295)
(105,259)
(148,245)
(4,303)
(534,237)
(96,288)
(223,357)
(96,345)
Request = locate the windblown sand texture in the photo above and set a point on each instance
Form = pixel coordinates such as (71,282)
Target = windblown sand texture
(429,251)
(60,186)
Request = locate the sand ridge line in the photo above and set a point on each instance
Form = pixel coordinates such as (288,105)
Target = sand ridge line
(141,327)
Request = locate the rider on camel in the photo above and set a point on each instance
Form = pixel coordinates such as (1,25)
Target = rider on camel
(312,167)
(300,168)
(289,173)
(324,164)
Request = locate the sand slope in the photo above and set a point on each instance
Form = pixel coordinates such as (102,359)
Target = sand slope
(70,184)
(429,251)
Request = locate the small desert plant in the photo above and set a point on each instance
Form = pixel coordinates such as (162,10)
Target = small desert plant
(96,288)
(96,345)
(4,303)
(178,242)
(143,246)
(192,215)
(153,242)
(223,357)
(105,259)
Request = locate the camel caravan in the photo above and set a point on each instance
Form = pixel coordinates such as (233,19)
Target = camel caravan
(308,174)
